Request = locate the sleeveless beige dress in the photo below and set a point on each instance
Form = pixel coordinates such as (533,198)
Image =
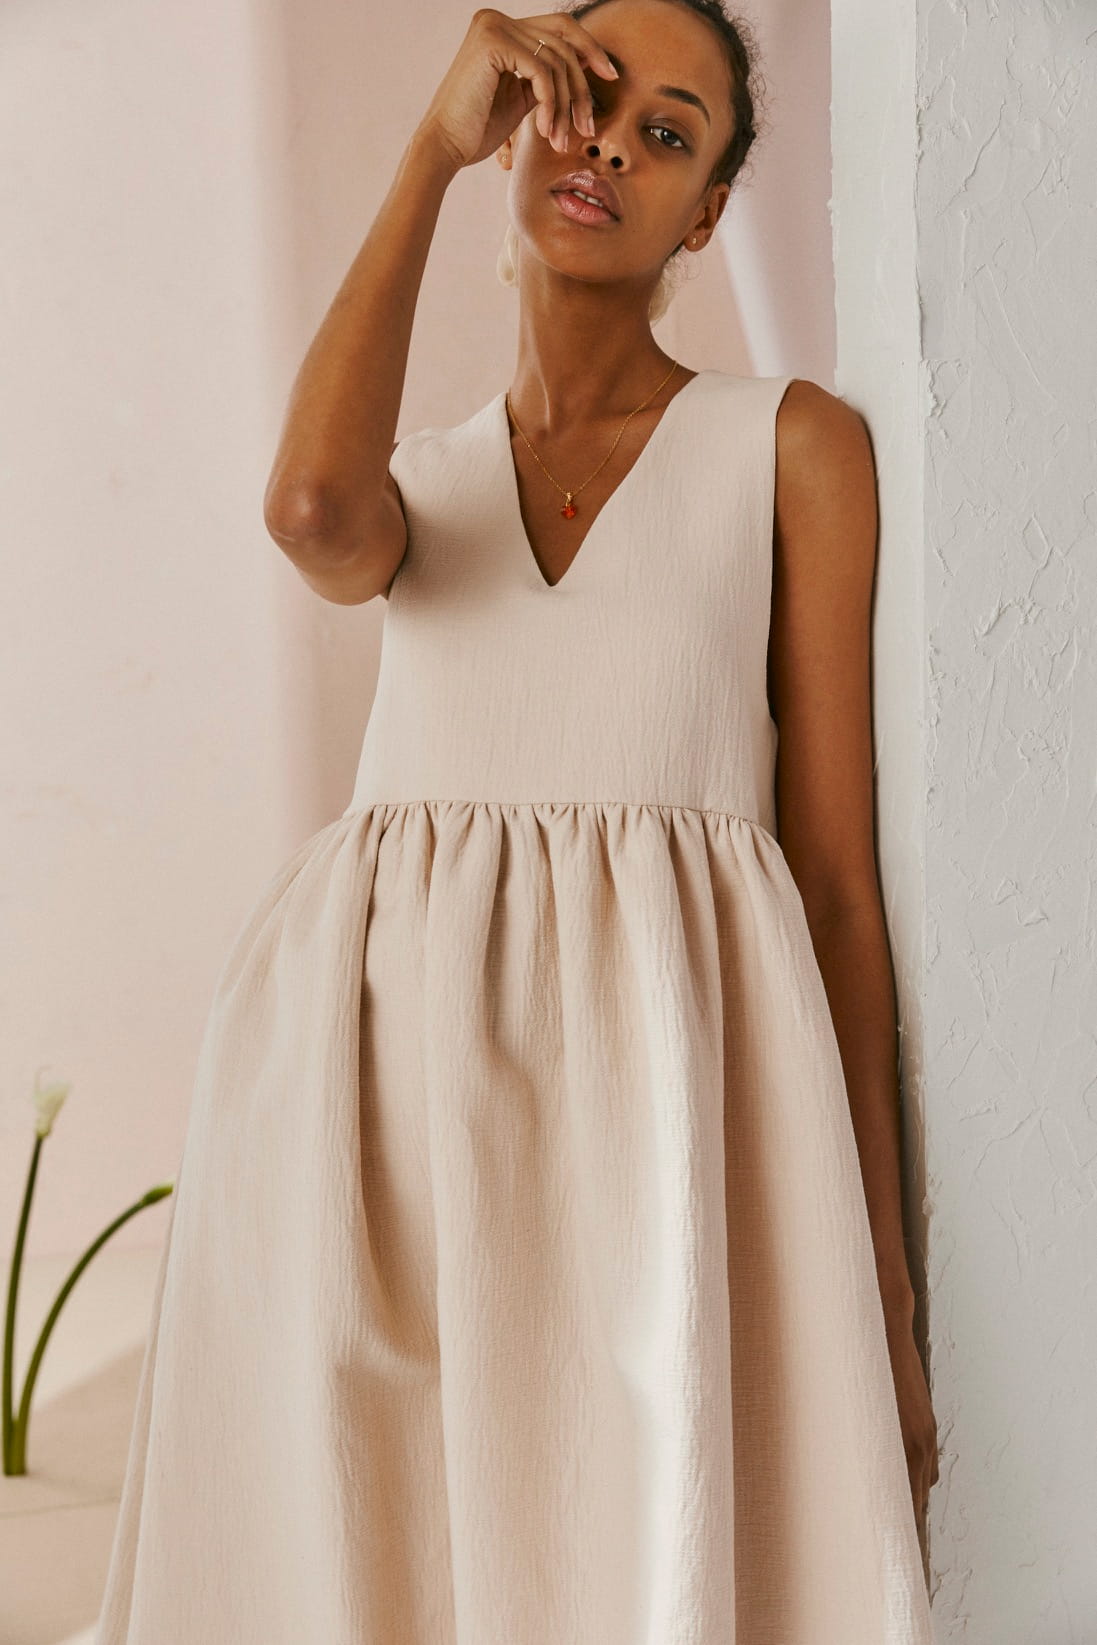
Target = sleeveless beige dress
(518,1287)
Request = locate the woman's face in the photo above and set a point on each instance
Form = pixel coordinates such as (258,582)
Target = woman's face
(656,148)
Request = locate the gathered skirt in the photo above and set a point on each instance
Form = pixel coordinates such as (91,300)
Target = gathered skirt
(518,1286)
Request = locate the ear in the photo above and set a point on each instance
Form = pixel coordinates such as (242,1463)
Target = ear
(705,226)
(716,206)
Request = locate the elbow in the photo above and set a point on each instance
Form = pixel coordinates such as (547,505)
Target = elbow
(301,516)
(341,561)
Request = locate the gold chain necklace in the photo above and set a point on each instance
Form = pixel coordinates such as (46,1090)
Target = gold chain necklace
(569,510)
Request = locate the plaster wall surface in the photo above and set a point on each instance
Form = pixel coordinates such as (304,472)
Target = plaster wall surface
(964,295)
(1007,235)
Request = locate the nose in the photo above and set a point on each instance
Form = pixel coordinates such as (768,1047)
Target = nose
(606,144)
(603,149)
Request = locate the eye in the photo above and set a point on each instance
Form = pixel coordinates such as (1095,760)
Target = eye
(679,142)
(673,133)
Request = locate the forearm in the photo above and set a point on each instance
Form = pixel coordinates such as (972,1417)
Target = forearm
(331,466)
(855,961)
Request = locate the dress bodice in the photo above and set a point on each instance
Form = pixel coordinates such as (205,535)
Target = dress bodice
(639,677)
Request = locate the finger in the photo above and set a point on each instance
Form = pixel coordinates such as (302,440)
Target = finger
(578,91)
(538,68)
(578,49)
(580,40)
(914,1477)
(560,128)
(915,1461)
(557,120)
(932,1466)
(582,104)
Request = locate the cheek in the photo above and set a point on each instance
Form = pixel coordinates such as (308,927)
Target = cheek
(531,172)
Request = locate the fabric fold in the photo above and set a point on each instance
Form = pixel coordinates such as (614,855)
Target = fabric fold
(510,1258)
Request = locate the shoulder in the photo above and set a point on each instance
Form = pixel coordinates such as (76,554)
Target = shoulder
(825,487)
(815,425)
(437,440)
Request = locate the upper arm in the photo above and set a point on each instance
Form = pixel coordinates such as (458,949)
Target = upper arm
(392,491)
(824,560)
(352,578)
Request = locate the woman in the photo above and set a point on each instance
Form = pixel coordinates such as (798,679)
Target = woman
(536,1269)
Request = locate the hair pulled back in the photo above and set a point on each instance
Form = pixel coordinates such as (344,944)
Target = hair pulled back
(741,53)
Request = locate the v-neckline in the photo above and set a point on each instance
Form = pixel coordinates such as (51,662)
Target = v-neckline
(514,502)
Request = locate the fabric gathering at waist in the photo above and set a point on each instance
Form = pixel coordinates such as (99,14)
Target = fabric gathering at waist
(553,806)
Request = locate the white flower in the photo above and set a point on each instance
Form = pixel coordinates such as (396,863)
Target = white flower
(47,1101)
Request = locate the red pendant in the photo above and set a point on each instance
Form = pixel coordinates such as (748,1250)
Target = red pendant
(569,511)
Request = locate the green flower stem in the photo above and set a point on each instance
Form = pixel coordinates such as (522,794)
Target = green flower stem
(15,1435)
(13,1293)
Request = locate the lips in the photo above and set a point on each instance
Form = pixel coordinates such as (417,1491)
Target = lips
(586,182)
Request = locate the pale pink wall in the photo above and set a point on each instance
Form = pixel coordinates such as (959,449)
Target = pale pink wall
(139,803)
(190,184)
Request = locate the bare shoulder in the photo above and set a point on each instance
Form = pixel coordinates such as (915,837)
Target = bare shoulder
(824,556)
(818,430)
(825,487)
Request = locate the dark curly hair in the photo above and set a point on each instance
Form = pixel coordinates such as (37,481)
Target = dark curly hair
(741,51)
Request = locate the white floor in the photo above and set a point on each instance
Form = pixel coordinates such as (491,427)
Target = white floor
(57,1520)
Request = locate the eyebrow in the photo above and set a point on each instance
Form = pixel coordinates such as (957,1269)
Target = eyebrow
(679,93)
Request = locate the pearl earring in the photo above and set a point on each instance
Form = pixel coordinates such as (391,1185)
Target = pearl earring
(506,264)
(675,273)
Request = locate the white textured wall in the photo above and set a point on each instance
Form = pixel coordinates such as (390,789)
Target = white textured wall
(996,240)
(1007,253)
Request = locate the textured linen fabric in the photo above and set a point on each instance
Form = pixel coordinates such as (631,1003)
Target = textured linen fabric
(518,1287)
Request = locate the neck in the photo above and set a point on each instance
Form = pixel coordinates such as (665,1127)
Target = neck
(584,357)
